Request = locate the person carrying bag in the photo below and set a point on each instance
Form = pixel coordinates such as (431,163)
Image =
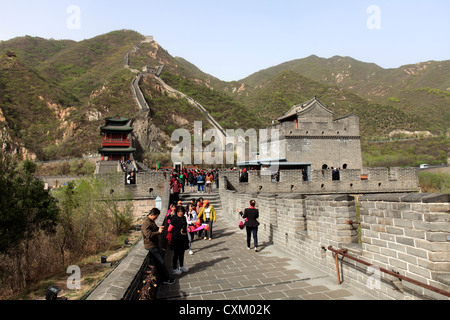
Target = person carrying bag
(251,223)
(207,215)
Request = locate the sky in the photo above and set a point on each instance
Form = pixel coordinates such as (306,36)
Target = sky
(232,39)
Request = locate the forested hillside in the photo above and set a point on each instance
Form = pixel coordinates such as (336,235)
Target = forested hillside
(54,95)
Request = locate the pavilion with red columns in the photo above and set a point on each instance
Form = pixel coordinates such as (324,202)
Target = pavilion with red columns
(116,139)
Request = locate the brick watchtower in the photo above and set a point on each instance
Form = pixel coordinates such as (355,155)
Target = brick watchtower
(309,134)
(116,139)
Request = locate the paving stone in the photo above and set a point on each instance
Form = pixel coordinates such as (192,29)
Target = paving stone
(298,284)
(273,274)
(252,297)
(256,290)
(211,288)
(235,294)
(337,294)
(194,298)
(315,296)
(278,287)
(274,295)
(223,269)
(213,296)
(315,289)
(270,280)
(296,292)
(250,283)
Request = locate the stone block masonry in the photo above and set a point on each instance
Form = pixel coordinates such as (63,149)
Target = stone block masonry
(149,185)
(410,235)
(377,180)
(406,233)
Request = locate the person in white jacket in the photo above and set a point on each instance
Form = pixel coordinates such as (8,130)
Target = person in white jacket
(191,217)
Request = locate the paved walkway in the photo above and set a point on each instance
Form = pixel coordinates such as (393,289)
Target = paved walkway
(224,269)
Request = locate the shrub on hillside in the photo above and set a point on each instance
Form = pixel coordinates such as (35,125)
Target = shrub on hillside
(434,182)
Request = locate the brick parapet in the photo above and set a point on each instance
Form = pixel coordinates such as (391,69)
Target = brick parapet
(352,181)
(407,233)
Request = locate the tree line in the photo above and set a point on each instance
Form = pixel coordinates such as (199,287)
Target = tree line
(42,232)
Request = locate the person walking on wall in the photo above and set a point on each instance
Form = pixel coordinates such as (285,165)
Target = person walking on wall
(209,180)
(151,234)
(191,218)
(200,183)
(207,215)
(166,236)
(191,179)
(182,179)
(198,208)
(176,186)
(180,242)
(251,224)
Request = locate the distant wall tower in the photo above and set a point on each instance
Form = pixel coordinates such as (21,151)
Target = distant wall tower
(148,39)
(309,134)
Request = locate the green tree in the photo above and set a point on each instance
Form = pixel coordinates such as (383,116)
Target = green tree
(91,217)
(64,238)
(26,208)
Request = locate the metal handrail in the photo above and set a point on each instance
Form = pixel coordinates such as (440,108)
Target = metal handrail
(343,252)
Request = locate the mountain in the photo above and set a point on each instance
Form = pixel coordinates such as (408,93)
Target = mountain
(281,92)
(35,50)
(57,92)
(421,91)
(33,108)
(54,94)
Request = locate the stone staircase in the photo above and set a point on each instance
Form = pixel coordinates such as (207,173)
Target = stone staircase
(213,198)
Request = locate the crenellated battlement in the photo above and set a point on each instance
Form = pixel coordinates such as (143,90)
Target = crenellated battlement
(366,180)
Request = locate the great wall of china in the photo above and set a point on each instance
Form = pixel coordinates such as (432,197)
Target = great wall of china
(401,230)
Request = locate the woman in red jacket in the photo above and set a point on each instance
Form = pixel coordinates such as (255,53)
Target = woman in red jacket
(176,186)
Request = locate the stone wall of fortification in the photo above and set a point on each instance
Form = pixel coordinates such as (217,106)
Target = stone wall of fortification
(321,142)
(376,180)
(406,233)
(149,185)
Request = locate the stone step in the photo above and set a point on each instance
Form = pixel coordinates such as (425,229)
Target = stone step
(213,198)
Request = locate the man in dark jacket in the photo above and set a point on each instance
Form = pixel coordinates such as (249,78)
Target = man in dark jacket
(151,233)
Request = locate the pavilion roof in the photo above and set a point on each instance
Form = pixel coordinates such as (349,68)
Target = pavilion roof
(116,150)
(303,108)
(117,118)
(116,128)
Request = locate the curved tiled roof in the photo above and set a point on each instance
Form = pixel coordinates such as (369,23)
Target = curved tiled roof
(303,108)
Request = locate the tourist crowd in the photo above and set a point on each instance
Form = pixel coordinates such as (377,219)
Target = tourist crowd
(183,223)
(204,180)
